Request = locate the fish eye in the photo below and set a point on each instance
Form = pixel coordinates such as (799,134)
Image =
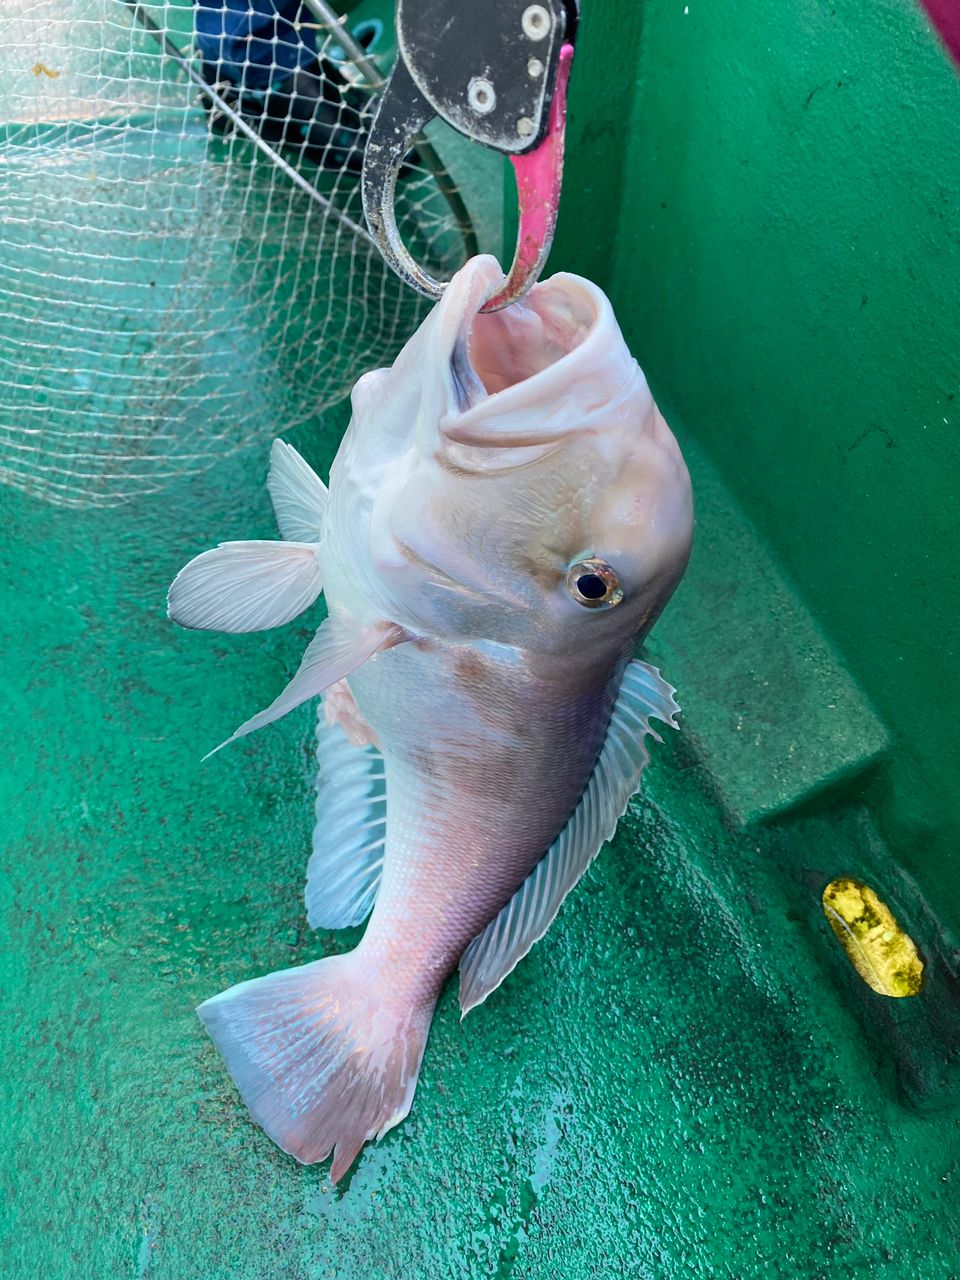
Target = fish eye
(593,584)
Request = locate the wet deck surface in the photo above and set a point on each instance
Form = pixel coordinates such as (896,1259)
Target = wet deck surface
(684,1078)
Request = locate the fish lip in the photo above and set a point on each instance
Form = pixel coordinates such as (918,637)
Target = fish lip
(577,290)
(462,300)
(593,375)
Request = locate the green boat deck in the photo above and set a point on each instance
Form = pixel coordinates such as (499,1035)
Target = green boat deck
(684,1078)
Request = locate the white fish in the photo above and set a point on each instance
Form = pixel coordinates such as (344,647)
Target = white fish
(508,514)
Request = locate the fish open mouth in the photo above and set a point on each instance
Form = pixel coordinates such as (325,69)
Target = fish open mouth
(509,346)
(548,366)
(551,364)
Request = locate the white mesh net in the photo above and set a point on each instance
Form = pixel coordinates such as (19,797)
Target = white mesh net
(167,292)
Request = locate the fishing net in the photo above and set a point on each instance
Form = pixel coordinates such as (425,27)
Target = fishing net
(169,292)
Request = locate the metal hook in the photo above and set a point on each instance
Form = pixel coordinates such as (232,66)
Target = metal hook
(519,109)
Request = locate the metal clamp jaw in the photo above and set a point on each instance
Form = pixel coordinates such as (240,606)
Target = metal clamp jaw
(497,71)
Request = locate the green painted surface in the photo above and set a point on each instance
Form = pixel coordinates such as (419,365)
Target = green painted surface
(785,232)
(776,718)
(685,1078)
(677,1081)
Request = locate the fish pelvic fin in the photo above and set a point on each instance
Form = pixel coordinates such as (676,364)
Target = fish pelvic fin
(339,647)
(323,1063)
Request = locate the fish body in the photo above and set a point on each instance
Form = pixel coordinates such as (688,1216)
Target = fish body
(507,516)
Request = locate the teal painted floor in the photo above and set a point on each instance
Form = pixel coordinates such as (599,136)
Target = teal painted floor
(684,1079)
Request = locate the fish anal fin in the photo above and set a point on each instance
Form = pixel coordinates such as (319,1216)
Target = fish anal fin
(495,952)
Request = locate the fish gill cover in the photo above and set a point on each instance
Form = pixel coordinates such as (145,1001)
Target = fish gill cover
(172,293)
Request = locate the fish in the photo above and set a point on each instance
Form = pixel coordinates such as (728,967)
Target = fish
(507,516)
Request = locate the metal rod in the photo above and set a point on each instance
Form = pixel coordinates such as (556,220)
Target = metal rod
(238,122)
(358,55)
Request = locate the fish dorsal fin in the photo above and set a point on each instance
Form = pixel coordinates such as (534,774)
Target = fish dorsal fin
(343,874)
(246,586)
(488,959)
(339,647)
(298,495)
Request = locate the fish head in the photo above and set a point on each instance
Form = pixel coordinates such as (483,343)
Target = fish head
(511,480)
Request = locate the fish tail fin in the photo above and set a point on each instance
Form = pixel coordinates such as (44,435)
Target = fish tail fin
(320,1058)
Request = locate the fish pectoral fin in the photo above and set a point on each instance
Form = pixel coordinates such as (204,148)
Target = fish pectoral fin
(245,586)
(343,874)
(298,495)
(643,695)
(339,647)
(322,1055)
